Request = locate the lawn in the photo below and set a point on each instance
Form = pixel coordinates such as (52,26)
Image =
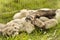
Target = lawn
(9,7)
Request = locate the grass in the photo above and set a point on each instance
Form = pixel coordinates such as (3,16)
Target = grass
(9,7)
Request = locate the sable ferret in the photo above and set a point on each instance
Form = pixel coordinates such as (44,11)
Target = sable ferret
(41,13)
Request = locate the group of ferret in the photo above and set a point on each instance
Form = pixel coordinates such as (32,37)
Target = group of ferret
(26,20)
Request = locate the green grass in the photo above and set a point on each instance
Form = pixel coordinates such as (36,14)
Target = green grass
(9,7)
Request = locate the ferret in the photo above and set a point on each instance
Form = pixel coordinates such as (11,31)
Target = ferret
(41,13)
(18,25)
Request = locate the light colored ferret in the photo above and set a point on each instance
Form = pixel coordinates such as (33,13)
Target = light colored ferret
(45,23)
(15,26)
